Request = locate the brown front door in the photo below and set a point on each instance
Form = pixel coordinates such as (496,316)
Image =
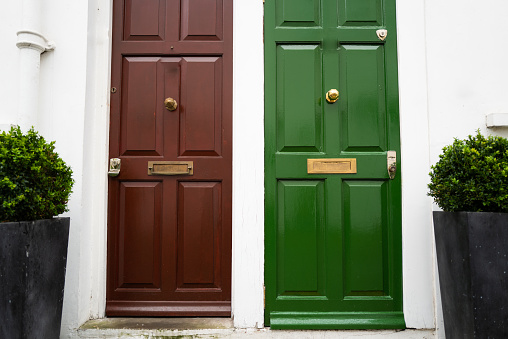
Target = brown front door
(169,224)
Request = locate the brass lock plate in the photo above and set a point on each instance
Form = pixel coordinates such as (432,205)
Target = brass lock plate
(170,168)
(331,166)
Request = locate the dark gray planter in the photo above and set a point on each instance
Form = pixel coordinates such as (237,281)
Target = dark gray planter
(33,256)
(472,256)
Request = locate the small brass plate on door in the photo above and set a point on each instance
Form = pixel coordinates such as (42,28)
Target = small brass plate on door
(331,166)
(170,168)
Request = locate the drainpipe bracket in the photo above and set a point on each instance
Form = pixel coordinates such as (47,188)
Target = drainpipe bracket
(34,40)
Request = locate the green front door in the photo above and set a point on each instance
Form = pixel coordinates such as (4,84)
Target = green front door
(333,232)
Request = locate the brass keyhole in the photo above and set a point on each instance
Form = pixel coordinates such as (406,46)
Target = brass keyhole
(170,104)
(332,95)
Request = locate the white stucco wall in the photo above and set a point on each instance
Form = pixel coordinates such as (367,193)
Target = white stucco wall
(10,23)
(452,72)
(467,58)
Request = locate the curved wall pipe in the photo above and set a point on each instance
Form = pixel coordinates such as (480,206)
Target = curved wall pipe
(31,44)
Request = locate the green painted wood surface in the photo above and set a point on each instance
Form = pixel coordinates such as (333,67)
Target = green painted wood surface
(333,241)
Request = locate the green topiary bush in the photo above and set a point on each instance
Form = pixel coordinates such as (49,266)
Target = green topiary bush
(35,183)
(472,175)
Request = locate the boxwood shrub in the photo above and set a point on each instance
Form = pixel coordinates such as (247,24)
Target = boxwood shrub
(472,175)
(35,183)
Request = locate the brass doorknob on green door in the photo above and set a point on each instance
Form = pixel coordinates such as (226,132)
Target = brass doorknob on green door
(170,104)
(332,95)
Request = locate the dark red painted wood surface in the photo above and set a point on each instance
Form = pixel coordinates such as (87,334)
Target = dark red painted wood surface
(169,237)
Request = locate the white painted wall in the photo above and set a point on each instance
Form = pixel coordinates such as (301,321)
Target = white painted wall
(10,23)
(452,72)
(467,54)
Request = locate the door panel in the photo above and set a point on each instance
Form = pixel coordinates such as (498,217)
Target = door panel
(298,13)
(361,13)
(300,243)
(365,223)
(201,20)
(201,96)
(332,240)
(140,225)
(169,236)
(199,219)
(299,81)
(140,132)
(362,103)
(145,20)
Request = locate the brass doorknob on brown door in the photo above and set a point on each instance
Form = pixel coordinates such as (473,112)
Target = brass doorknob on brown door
(170,104)
(332,95)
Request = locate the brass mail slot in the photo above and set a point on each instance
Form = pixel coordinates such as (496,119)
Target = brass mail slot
(330,166)
(170,168)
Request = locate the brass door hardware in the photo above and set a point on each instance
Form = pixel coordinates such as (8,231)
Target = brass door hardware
(170,104)
(381,34)
(331,166)
(391,157)
(170,168)
(332,95)
(114,167)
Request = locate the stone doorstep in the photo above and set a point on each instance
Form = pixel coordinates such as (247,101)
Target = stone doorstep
(201,328)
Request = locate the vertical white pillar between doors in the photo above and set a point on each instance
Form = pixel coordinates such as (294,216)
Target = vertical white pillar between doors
(248,164)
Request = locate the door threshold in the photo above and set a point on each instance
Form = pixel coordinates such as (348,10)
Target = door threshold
(221,328)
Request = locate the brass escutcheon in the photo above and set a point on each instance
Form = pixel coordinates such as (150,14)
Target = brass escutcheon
(170,104)
(332,95)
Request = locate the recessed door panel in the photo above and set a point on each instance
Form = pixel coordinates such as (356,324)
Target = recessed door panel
(145,20)
(365,238)
(300,238)
(140,227)
(202,20)
(363,105)
(199,220)
(295,13)
(169,208)
(299,112)
(201,106)
(360,12)
(141,118)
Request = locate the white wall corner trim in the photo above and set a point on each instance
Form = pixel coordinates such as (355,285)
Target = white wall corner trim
(417,240)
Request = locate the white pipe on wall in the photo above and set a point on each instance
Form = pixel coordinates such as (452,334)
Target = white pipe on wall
(31,44)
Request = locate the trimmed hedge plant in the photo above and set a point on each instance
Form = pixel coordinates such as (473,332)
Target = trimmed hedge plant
(35,183)
(472,175)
